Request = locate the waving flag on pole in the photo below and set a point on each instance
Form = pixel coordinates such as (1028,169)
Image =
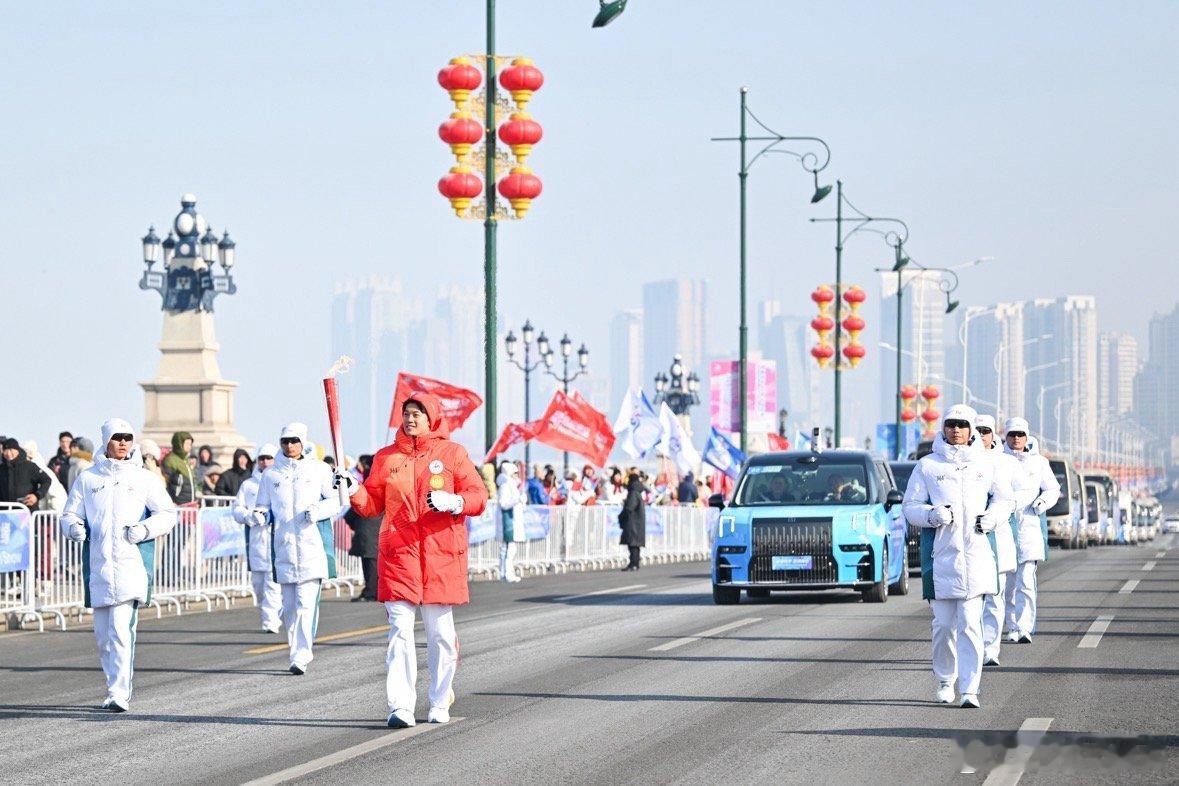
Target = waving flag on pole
(675,443)
(723,454)
(804,441)
(637,427)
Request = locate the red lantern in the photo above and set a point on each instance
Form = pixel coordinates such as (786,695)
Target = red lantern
(522,79)
(459,79)
(822,295)
(460,187)
(854,353)
(908,416)
(853,325)
(520,188)
(823,353)
(521,133)
(460,132)
(854,295)
(908,393)
(823,325)
(931,416)
(930,393)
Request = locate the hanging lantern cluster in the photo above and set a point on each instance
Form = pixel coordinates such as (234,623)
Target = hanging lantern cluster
(823,324)
(463,131)
(931,416)
(853,324)
(908,399)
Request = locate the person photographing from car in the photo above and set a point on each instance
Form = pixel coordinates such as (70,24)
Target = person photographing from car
(953,496)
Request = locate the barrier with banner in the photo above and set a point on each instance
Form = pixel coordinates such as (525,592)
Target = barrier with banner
(202,559)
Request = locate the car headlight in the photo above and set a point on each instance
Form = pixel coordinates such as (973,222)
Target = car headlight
(726,525)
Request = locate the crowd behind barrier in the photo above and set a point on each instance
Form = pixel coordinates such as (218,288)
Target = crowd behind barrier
(202,560)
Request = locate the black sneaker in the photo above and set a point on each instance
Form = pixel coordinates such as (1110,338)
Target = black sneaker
(298,672)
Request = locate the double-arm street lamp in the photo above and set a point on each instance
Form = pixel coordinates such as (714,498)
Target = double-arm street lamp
(527,333)
(810,163)
(565,377)
(679,391)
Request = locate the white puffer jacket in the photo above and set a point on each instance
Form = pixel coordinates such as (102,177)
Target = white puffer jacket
(1034,486)
(287,491)
(962,478)
(104,500)
(1005,467)
(257,536)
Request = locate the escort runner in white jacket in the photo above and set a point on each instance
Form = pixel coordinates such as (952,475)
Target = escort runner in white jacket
(510,509)
(117,507)
(954,497)
(1036,490)
(267,591)
(297,498)
(1002,543)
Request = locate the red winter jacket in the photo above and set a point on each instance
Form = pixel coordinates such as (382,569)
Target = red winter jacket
(422,554)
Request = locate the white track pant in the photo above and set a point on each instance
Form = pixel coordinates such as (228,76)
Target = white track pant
(300,615)
(1021,599)
(958,642)
(269,595)
(507,562)
(401,657)
(993,610)
(114,630)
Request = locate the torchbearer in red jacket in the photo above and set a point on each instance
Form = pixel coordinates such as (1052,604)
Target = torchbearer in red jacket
(425,486)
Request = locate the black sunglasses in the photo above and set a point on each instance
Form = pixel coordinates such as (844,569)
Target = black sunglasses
(289,441)
(983,430)
(957,424)
(1015,434)
(122,438)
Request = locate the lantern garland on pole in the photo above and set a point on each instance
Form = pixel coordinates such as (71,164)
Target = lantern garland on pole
(463,132)
(931,416)
(823,324)
(853,324)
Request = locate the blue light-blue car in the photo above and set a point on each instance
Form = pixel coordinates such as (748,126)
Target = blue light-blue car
(805,520)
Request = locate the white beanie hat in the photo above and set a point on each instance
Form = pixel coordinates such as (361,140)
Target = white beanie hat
(149,447)
(297,430)
(1017,424)
(268,449)
(115,426)
(960,412)
(985,421)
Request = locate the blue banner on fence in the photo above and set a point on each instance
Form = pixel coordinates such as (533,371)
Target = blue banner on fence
(537,521)
(654,520)
(16,541)
(221,535)
(481,528)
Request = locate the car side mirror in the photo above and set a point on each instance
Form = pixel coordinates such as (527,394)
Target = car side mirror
(893,498)
(717,501)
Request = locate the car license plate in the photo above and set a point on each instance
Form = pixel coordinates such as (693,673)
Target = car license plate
(791,563)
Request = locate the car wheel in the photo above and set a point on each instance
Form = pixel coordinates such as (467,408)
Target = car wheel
(758,593)
(726,596)
(902,585)
(878,592)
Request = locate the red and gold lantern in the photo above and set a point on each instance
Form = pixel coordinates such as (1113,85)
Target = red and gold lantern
(822,325)
(931,416)
(459,78)
(854,354)
(460,186)
(908,393)
(520,187)
(908,415)
(930,394)
(461,132)
(823,354)
(853,325)
(521,79)
(520,133)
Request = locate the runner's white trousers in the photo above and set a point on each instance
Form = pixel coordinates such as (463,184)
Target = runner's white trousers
(114,630)
(300,615)
(958,642)
(269,595)
(993,611)
(401,657)
(1021,599)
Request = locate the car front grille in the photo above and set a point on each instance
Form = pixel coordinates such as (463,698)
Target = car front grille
(795,537)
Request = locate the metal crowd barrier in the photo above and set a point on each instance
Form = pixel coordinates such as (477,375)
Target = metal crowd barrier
(202,559)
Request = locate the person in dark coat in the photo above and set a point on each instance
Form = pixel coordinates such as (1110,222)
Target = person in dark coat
(686,493)
(232,479)
(366,533)
(633,520)
(60,463)
(20,479)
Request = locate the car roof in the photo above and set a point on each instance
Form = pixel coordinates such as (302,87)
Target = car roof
(789,456)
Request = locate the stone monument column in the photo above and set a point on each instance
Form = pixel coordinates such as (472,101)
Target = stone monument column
(188,392)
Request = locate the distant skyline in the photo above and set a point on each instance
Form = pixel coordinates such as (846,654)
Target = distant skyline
(1041,136)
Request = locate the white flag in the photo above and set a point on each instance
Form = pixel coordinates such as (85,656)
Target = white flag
(637,427)
(675,443)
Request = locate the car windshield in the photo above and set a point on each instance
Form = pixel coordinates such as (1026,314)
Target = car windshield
(901,472)
(1091,501)
(1061,508)
(805,481)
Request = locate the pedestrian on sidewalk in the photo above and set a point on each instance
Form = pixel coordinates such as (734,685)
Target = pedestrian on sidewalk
(298,497)
(633,521)
(953,496)
(1002,544)
(366,532)
(59,464)
(510,507)
(118,508)
(267,591)
(1036,490)
(182,486)
(231,480)
(426,486)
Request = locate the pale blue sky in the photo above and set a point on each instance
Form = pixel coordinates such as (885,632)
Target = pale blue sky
(1042,134)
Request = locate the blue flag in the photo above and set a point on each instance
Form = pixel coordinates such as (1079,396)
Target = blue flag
(723,454)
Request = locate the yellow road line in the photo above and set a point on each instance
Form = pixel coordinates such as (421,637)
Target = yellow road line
(348,634)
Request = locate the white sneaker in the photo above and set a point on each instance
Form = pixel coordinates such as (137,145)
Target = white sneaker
(970,701)
(1013,637)
(945,693)
(438,715)
(401,719)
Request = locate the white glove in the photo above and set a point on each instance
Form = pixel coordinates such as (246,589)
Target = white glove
(135,533)
(445,502)
(76,532)
(305,519)
(1039,505)
(258,518)
(985,523)
(939,517)
(346,480)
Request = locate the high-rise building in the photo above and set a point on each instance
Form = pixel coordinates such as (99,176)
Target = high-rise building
(992,346)
(1156,387)
(673,323)
(923,319)
(626,355)
(786,340)
(1061,372)
(1117,364)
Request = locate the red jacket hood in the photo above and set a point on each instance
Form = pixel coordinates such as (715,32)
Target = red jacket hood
(438,426)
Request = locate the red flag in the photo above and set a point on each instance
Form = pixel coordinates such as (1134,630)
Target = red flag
(457,403)
(512,434)
(777,441)
(570,423)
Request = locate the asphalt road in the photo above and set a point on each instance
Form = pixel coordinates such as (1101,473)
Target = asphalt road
(646,682)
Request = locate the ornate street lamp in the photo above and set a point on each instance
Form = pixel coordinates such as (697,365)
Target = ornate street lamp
(679,391)
(151,248)
(565,377)
(527,333)
(187,280)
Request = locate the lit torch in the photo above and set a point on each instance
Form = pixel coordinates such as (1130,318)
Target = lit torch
(332,396)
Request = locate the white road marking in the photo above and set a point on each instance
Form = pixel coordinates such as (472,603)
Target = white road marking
(1128,587)
(610,591)
(1160,554)
(332,759)
(1026,739)
(671,645)
(1149,565)
(1092,636)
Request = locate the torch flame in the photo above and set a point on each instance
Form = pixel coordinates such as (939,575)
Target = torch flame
(343,365)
